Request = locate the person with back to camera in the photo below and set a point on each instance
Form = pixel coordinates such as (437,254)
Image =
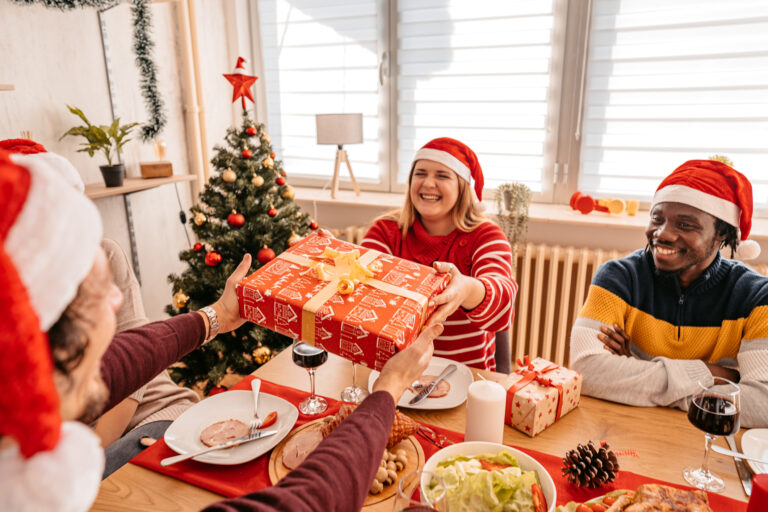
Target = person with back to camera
(662,320)
(441,224)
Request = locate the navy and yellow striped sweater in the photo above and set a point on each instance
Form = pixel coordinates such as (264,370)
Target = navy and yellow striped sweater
(722,317)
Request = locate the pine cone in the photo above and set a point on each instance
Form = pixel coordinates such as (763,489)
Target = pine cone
(590,466)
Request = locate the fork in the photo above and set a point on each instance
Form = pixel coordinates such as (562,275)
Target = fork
(256,422)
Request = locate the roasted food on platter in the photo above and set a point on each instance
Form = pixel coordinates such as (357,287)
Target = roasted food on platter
(647,498)
(223,431)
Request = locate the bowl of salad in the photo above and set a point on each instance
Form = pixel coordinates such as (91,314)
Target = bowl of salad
(481,476)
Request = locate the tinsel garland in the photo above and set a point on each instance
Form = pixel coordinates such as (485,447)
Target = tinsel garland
(142,46)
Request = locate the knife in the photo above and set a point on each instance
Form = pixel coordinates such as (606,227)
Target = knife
(741,468)
(240,440)
(738,455)
(425,391)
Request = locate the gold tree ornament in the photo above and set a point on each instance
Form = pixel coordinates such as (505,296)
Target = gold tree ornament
(257,180)
(268,163)
(293,238)
(266,138)
(261,355)
(289,193)
(199,219)
(180,299)
(229,175)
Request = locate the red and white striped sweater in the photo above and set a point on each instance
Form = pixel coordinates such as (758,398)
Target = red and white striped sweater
(469,336)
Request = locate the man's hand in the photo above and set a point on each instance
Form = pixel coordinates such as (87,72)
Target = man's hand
(615,340)
(464,291)
(405,367)
(227,309)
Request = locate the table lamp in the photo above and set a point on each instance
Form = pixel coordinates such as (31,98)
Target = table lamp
(340,129)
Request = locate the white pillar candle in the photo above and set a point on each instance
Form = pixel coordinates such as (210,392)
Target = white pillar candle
(485,412)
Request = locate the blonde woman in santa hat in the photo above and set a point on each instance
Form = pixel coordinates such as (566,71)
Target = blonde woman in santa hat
(441,224)
(664,319)
(63,364)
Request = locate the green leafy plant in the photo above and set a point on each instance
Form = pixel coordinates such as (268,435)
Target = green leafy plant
(107,139)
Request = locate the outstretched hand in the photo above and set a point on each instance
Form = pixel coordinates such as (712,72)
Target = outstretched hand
(227,308)
(616,341)
(464,291)
(405,367)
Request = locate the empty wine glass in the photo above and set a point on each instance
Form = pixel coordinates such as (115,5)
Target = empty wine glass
(715,410)
(354,393)
(310,357)
(409,498)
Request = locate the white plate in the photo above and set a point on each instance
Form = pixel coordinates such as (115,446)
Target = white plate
(477,447)
(459,381)
(183,435)
(754,443)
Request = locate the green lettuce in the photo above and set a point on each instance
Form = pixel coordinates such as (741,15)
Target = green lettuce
(470,488)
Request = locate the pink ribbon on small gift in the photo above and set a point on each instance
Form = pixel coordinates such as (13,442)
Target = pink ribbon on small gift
(530,374)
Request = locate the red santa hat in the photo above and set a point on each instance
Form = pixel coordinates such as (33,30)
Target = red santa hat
(26,152)
(49,236)
(456,156)
(715,188)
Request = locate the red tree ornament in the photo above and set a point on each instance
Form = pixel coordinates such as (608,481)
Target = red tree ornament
(264,255)
(283,172)
(272,156)
(280,181)
(197,247)
(313,225)
(212,259)
(251,130)
(272,212)
(247,153)
(241,82)
(236,220)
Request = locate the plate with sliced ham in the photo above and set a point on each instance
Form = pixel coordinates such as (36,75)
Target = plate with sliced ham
(449,393)
(224,417)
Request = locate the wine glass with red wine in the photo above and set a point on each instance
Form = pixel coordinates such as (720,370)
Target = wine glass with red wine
(714,410)
(310,357)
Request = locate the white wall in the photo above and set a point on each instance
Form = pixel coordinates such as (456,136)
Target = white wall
(55,58)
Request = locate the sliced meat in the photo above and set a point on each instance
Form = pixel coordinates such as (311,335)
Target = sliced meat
(443,387)
(299,446)
(223,431)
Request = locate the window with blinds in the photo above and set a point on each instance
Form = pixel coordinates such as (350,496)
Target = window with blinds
(321,58)
(669,81)
(479,72)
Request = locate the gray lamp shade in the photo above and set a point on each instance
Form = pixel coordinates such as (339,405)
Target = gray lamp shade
(339,128)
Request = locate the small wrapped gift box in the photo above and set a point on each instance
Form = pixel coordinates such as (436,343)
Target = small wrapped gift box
(359,303)
(539,393)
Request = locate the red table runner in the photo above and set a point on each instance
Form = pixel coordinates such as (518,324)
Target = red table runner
(241,479)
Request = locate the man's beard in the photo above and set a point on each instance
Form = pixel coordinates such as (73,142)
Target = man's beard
(95,405)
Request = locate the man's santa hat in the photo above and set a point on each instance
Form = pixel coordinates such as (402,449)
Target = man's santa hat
(49,236)
(456,156)
(715,188)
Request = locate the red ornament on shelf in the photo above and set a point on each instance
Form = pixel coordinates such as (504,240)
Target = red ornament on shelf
(215,390)
(251,130)
(313,225)
(264,255)
(272,156)
(212,259)
(272,212)
(247,153)
(280,181)
(236,219)
(197,247)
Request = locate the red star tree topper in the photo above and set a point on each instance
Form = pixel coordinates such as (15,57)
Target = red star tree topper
(241,82)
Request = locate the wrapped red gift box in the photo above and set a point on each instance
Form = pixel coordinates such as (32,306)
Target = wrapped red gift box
(539,393)
(359,303)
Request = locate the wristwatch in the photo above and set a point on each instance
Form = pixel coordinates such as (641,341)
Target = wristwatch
(213,322)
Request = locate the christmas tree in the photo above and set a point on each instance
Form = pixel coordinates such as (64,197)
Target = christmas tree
(246,207)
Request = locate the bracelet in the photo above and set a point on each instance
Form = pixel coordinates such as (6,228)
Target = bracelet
(213,322)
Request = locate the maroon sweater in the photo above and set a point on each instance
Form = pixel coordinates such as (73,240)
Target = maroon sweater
(336,476)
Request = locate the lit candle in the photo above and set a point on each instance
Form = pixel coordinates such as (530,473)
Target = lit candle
(485,412)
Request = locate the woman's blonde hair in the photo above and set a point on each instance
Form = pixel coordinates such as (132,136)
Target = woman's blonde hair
(466,213)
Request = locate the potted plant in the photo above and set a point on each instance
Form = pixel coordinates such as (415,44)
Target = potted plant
(107,139)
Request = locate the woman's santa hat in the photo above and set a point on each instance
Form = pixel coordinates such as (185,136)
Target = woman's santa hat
(49,237)
(715,188)
(456,156)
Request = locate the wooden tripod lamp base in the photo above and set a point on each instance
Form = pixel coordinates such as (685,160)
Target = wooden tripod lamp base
(341,156)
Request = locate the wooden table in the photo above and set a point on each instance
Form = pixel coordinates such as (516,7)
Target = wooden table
(664,439)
